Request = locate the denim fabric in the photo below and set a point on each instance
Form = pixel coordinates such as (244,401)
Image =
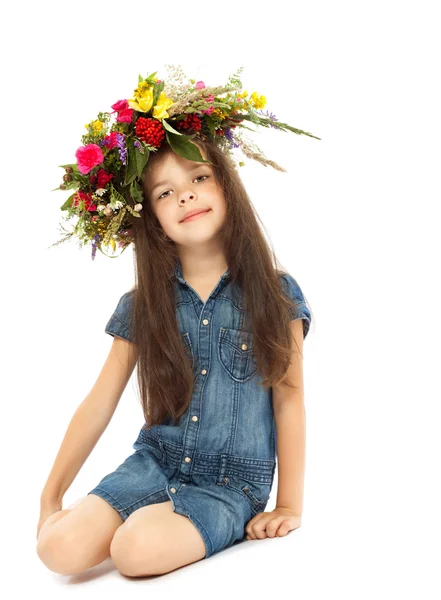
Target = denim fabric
(217,464)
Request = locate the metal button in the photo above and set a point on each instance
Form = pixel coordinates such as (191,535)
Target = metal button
(194,418)
(205,321)
(226,479)
(244,346)
(204,371)
(245,489)
(173,490)
(187,459)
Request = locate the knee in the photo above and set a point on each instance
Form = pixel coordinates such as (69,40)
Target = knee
(61,553)
(134,556)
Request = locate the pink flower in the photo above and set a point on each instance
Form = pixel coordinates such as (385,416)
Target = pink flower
(125,115)
(88,157)
(209,98)
(200,85)
(120,105)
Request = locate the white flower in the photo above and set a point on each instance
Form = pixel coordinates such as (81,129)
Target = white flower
(137,207)
(100,191)
(116,204)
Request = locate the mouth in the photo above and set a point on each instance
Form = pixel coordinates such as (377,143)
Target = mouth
(196,216)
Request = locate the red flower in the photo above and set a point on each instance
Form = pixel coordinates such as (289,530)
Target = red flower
(110,140)
(88,157)
(103,178)
(86,198)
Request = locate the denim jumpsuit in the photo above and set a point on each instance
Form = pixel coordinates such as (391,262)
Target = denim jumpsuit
(217,465)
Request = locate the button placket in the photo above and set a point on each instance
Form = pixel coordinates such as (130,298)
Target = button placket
(189,442)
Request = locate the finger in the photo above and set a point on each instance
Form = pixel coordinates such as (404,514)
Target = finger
(259,528)
(274,525)
(251,534)
(284,529)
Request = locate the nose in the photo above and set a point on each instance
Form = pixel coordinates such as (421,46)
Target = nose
(186,197)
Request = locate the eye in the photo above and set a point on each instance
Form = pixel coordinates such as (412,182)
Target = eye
(206,176)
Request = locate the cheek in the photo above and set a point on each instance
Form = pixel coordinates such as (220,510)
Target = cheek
(166,215)
(220,206)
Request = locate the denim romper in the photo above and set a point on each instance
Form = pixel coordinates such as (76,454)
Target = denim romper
(217,465)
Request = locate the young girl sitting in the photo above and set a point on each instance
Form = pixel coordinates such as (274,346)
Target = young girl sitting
(216,332)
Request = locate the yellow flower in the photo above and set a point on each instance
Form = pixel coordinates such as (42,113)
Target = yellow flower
(143,98)
(219,113)
(160,110)
(242,94)
(259,101)
(97,125)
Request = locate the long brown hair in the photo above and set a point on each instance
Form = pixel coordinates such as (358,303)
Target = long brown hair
(164,372)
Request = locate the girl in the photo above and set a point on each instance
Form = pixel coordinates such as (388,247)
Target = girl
(216,332)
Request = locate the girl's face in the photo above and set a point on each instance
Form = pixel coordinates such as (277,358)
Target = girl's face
(175,186)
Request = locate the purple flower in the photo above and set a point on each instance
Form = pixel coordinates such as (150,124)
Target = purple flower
(269,116)
(230,137)
(94,245)
(122,147)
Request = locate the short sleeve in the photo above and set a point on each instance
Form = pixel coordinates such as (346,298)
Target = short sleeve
(120,322)
(300,310)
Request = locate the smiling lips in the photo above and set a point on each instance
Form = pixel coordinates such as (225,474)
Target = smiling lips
(193,215)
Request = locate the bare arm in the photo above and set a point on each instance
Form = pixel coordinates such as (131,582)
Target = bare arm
(91,418)
(290,419)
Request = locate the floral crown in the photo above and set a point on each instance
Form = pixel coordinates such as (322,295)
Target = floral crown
(106,178)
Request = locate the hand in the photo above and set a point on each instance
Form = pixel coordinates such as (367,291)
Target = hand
(276,523)
(47,509)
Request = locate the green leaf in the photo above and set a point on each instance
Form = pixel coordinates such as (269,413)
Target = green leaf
(135,163)
(136,192)
(170,128)
(73,165)
(68,202)
(151,78)
(184,147)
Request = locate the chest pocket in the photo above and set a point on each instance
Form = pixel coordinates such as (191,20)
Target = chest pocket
(235,351)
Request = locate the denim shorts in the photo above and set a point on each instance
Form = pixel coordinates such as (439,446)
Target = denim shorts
(220,496)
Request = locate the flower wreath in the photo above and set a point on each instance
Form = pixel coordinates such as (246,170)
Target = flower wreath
(106,177)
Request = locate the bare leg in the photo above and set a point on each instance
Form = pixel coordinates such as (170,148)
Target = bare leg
(77,538)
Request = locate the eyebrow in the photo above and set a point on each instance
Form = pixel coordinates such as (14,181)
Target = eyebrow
(164,181)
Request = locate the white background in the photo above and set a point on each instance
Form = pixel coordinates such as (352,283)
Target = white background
(353,220)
